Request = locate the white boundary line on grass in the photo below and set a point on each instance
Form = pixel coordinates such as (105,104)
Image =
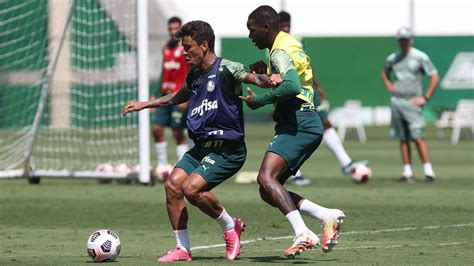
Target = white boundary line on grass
(388,230)
(377,247)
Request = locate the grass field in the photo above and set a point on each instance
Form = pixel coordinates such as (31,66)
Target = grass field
(387,222)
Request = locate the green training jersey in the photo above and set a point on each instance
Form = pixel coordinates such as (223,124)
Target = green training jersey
(231,75)
(281,63)
(409,71)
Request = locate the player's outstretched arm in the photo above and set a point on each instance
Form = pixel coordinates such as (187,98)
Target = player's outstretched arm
(263,80)
(290,87)
(178,97)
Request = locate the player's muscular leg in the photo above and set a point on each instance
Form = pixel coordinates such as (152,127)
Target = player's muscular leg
(405,151)
(195,191)
(297,199)
(178,134)
(175,204)
(422,149)
(273,166)
(158,133)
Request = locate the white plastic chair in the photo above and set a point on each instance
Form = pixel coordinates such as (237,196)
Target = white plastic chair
(463,118)
(351,119)
(444,122)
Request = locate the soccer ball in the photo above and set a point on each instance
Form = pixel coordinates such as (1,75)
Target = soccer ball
(163,171)
(104,167)
(103,245)
(361,173)
(122,168)
(136,168)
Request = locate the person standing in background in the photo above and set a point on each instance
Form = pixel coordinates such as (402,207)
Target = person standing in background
(409,66)
(173,76)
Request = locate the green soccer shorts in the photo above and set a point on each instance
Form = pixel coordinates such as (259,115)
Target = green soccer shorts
(215,160)
(295,142)
(408,122)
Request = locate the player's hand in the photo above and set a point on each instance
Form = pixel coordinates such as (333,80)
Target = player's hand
(258,67)
(249,99)
(274,80)
(133,106)
(418,100)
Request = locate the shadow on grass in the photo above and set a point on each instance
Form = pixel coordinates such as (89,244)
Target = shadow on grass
(281,259)
(265,259)
(115,261)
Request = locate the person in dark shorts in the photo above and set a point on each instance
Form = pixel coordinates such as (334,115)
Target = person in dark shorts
(298,131)
(173,75)
(216,125)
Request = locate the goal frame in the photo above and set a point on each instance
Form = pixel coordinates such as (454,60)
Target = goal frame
(144,174)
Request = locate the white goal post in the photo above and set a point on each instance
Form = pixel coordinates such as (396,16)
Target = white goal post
(67,68)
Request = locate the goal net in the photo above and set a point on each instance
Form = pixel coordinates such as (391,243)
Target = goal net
(67,68)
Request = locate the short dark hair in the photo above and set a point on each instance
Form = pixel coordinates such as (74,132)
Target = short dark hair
(174,20)
(266,14)
(284,16)
(199,31)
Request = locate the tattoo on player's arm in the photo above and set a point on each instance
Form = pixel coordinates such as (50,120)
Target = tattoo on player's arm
(181,96)
(171,99)
(261,80)
(251,78)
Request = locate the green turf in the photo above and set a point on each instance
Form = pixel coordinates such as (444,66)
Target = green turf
(49,224)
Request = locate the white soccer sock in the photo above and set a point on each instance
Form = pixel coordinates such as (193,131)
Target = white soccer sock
(407,170)
(333,142)
(428,169)
(182,239)
(225,221)
(296,221)
(181,149)
(312,209)
(161,152)
(298,174)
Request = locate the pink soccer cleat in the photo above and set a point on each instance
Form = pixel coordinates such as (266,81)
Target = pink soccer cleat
(232,239)
(177,254)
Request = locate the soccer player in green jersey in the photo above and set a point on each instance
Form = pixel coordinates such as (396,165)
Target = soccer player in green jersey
(298,131)
(408,66)
(216,125)
(331,139)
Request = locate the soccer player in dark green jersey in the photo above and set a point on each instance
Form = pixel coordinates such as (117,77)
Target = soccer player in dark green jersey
(298,131)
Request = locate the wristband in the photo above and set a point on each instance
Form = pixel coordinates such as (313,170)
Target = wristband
(426,98)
